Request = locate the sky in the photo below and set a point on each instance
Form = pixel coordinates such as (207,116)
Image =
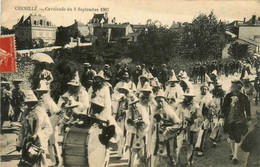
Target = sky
(133,11)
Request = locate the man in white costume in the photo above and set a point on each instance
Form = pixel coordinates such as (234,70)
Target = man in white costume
(36,129)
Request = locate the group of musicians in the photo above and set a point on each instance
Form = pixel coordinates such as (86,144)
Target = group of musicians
(153,124)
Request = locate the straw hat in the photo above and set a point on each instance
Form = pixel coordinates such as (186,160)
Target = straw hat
(207,79)
(133,99)
(87,65)
(43,87)
(160,94)
(71,103)
(146,88)
(30,97)
(4,82)
(107,66)
(75,81)
(17,80)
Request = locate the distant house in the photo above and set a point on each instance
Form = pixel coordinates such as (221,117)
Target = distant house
(175,26)
(35,26)
(80,27)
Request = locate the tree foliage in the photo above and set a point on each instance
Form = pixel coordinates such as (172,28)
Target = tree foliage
(238,50)
(204,38)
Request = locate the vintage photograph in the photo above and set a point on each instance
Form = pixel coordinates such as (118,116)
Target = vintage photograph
(95,83)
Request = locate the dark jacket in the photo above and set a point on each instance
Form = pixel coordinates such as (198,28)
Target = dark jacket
(244,105)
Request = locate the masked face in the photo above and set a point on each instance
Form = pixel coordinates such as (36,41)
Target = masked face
(172,84)
(17,85)
(98,81)
(73,89)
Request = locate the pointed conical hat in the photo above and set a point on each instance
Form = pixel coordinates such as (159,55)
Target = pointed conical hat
(155,83)
(146,87)
(42,86)
(160,94)
(71,103)
(207,79)
(246,76)
(214,73)
(30,97)
(173,77)
(184,75)
(75,81)
(101,75)
(189,92)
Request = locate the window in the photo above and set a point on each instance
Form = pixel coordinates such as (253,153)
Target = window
(35,22)
(40,22)
(48,23)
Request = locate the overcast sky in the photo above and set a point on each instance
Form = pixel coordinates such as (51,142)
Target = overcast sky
(133,11)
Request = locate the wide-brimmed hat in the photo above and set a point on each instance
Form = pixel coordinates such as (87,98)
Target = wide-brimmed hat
(30,97)
(101,75)
(87,65)
(42,87)
(98,101)
(132,99)
(160,94)
(75,81)
(4,82)
(207,79)
(17,80)
(71,103)
(124,87)
(146,87)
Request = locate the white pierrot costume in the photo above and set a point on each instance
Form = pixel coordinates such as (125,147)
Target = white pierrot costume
(160,153)
(42,128)
(82,96)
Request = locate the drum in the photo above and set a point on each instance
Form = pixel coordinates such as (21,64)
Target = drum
(82,148)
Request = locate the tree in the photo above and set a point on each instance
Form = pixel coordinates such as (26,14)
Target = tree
(238,50)
(6,31)
(204,38)
(156,44)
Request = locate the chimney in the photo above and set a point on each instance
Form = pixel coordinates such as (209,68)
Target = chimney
(244,20)
(253,19)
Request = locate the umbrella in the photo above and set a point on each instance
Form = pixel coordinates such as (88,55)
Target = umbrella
(42,57)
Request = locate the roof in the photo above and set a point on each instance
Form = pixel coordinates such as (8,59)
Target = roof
(257,21)
(99,17)
(115,25)
(32,19)
(243,40)
(77,23)
(138,26)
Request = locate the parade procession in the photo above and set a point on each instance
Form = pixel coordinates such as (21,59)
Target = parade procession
(148,117)
(130,83)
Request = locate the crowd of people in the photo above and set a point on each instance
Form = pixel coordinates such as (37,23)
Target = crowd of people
(155,118)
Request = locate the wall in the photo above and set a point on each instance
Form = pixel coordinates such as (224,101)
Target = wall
(248,32)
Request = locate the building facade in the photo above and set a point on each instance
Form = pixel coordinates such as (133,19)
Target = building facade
(35,26)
